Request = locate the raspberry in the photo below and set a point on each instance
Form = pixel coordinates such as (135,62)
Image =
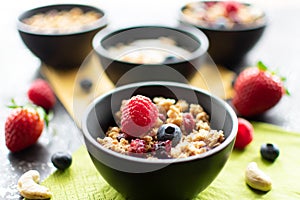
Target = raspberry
(244,135)
(139,115)
(41,94)
(138,146)
(188,122)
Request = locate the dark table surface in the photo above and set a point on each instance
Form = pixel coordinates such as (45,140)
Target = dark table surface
(278,48)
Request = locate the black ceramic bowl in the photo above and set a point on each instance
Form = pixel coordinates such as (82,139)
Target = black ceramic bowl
(60,50)
(180,70)
(140,178)
(228,46)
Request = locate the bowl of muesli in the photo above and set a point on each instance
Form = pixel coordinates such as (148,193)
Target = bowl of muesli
(232,27)
(60,35)
(159,140)
(150,53)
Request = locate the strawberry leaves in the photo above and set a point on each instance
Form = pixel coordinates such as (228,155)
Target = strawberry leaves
(261,66)
(40,110)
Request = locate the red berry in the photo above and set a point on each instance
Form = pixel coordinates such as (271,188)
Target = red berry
(244,135)
(41,94)
(138,146)
(256,91)
(188,122)
(23,127)
(139,115)
(231,7)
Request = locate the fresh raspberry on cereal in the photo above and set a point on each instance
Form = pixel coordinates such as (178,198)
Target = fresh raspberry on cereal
(139,115)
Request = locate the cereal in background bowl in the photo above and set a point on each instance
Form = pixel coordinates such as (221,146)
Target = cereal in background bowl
(62,21)
(232,27)
(223,14)
(60,35)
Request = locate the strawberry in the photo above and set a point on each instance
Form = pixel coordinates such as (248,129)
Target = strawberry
(244,135)
(139,115)
(41,94)
(257,90)
(23,126)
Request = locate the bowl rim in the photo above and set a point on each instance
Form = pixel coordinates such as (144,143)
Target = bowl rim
(190,31)
(97,145)
(99,23)
(181,18)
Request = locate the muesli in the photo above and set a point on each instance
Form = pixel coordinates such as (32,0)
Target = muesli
(161,128)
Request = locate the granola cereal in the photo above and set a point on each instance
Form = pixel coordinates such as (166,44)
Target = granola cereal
(63,21)
(223,14)
(149,51)
(178,120)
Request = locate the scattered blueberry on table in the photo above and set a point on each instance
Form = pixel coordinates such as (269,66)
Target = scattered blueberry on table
(86,84)
(61,160)
(269,151)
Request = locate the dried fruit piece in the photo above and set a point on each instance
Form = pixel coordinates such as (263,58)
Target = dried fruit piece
(244,135)
(188,122)
(138,146)
(162,149)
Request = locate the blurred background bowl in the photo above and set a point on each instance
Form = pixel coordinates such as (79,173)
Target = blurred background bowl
(229,43)
(59,48)
(141,178)
(176,67)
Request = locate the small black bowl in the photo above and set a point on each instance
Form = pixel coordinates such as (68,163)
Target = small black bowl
(228,47)
(178,70)
(141,178)
(61,51)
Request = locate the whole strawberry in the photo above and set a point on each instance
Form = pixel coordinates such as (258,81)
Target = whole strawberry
(23,127)
(139,115)
(257,90)
(41,94)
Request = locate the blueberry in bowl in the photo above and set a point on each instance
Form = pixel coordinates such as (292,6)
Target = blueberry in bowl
(174,151)
(150,53)
(60,35)
(232,27)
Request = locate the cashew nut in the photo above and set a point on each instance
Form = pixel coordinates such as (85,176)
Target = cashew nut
(29,188)
(257,179)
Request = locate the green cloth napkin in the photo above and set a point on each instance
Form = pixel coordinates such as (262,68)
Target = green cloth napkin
(82,181)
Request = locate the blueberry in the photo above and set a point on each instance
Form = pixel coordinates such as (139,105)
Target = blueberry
(221,23)
(169,59)
(169,132)
(269,151)
(61,160)
(86,84)
(162,149)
